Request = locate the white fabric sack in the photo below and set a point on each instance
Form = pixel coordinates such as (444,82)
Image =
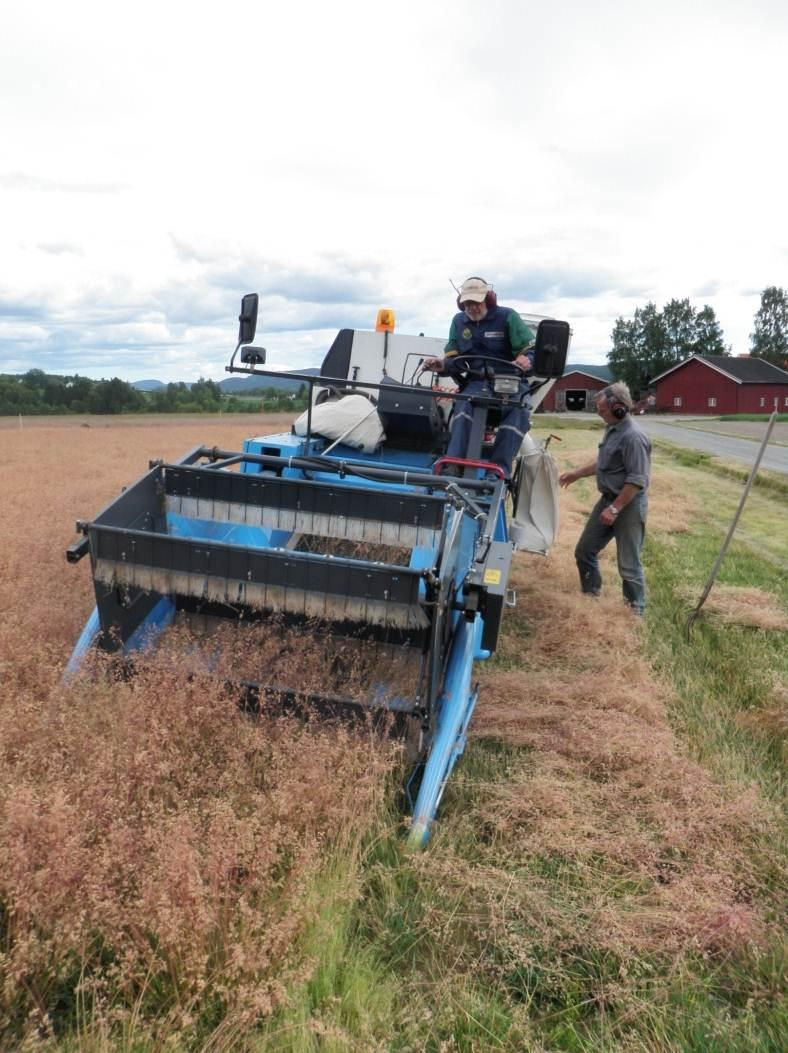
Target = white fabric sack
(535,526)
(353,419)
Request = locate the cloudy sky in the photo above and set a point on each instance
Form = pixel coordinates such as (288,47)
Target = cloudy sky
(158,160)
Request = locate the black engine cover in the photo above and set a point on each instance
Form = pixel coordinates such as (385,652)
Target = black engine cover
(408,414)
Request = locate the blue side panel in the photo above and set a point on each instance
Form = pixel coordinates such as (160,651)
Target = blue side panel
(455,707)
(143,636)
(279,538)
(231,533)
(501,527)
(87,639)
(468,536)
(422,557)
(159,619)
(287,445)
(281,444)
(208,530)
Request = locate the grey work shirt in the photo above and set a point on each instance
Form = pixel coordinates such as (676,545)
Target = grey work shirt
(624,457)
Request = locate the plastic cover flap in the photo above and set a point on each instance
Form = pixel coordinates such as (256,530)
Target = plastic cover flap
(535,526)
(353,419)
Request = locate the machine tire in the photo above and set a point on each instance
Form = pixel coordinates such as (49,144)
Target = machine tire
(334,394)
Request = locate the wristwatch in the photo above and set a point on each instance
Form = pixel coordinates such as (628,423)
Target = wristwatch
(614,510)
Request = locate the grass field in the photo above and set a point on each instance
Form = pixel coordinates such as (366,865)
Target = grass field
(608,873)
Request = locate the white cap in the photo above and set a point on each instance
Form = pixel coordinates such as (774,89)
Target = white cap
(474,289)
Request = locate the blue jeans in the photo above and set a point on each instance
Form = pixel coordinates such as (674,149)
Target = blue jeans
(508,438)
(629,530)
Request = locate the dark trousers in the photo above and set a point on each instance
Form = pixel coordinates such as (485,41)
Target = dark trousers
(510,432)
(629,530)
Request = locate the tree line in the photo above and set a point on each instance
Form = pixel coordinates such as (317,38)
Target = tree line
(38,393)
(652,340)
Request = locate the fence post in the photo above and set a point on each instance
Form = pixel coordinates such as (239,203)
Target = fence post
(718,562)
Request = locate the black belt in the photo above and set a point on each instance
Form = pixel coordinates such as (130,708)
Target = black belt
(608,495)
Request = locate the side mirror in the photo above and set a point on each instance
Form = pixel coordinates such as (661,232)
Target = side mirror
(551,348)
(253,356)
(247,319)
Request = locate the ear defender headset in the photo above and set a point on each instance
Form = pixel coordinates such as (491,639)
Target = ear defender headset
(614,404)
(490,300)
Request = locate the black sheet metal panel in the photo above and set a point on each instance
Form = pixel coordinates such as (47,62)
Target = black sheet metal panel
(140,506)
(272,579)
(489,578)
(122,609)
(337,360)
(309,496)
(409,413)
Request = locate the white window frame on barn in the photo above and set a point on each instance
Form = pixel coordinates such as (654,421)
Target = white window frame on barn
(712,401)
(763,400)
(677,400)
(785,402)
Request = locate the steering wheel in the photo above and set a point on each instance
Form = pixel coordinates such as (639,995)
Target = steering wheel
(463,379)
(487,358)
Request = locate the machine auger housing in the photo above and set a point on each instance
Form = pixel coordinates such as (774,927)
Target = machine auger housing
(346,526)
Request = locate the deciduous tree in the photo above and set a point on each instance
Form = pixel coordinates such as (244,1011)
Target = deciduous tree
(653,341)
(709,339)
(769,338)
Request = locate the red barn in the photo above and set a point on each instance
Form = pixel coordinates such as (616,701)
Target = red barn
(576,389)
(718,384)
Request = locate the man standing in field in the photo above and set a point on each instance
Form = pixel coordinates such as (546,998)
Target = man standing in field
(622,468)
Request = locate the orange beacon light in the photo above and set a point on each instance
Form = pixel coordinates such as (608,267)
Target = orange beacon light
(384,323)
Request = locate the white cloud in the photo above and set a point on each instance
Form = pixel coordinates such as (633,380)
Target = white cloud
(160,161)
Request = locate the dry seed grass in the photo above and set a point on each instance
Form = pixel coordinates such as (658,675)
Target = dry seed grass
(671,508)
(305,659)
(153,809)
(771,720)
(152,838)
(660,856)
(742,605)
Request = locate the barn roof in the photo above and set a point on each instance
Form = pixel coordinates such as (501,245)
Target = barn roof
(740,370)
(595,371)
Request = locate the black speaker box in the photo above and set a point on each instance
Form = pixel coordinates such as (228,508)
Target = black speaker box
(552,345)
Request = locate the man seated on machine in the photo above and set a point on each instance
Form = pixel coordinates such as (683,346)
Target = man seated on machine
(486,340)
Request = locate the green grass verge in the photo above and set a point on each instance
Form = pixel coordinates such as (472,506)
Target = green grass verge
(563,422)
(723,671)
(753,416)
(764,480)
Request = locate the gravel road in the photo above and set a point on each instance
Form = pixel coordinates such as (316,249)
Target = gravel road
(742,449)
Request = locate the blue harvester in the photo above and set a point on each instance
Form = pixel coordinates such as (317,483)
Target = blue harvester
(350,523)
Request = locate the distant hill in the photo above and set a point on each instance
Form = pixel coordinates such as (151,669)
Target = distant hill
(148,385)
(238,385)
(247,385)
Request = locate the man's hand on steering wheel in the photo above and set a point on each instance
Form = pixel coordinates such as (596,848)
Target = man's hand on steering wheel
(438,365)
